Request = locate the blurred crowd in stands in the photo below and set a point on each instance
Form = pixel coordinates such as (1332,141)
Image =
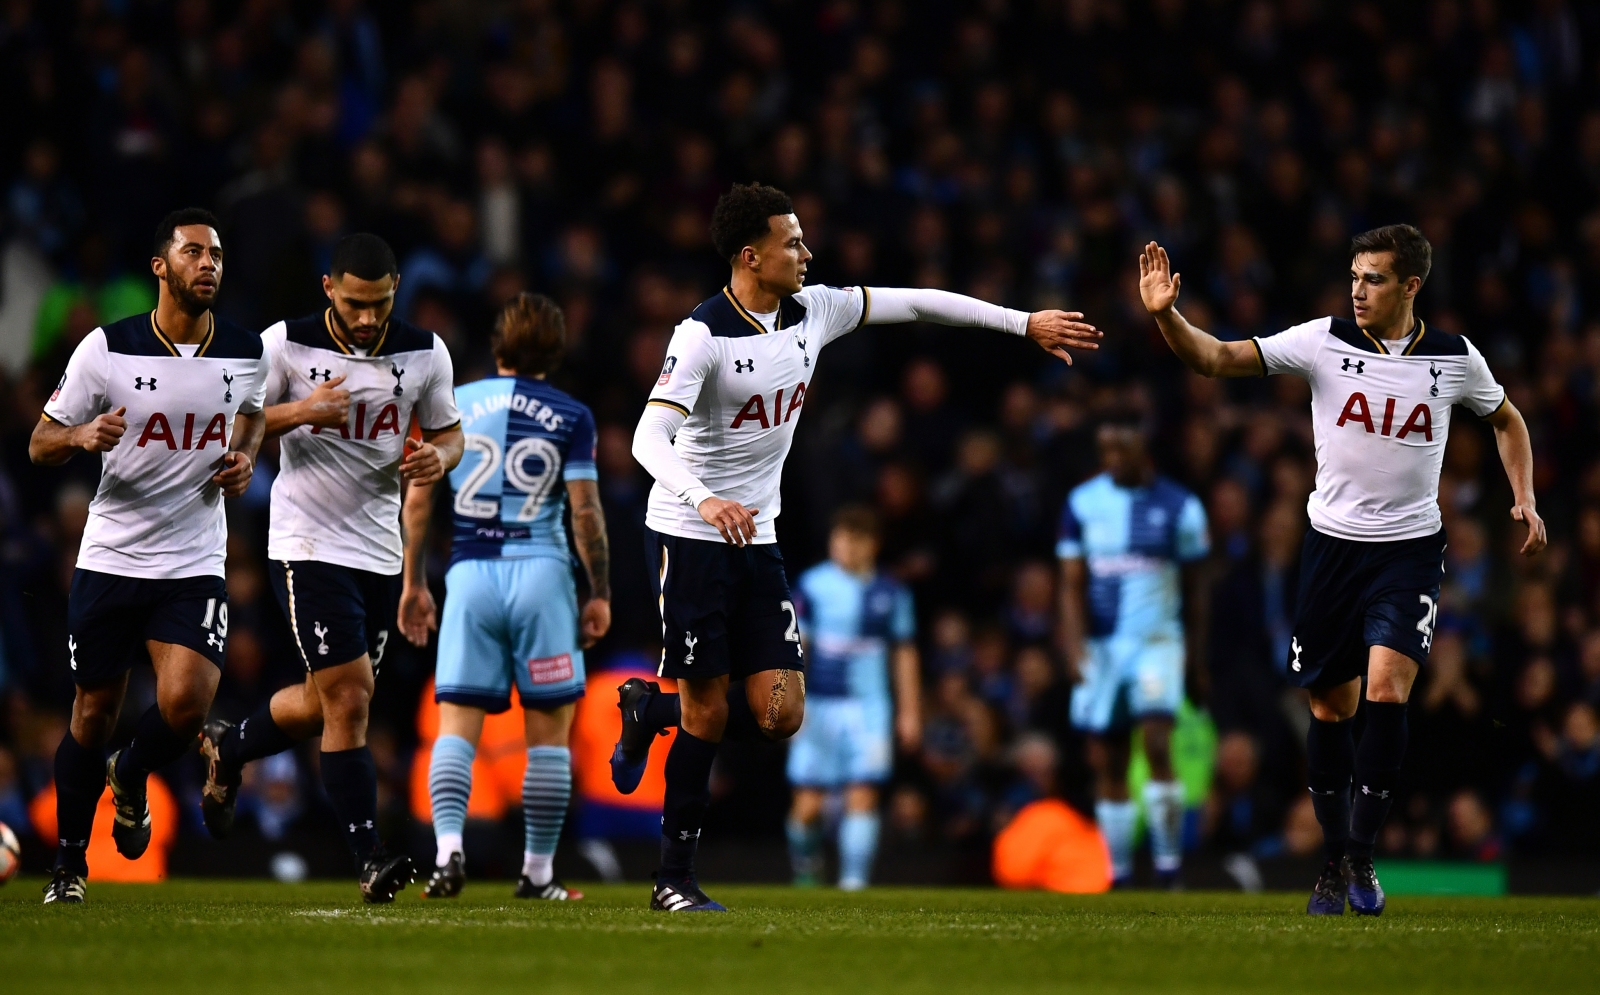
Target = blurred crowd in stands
(1015,150)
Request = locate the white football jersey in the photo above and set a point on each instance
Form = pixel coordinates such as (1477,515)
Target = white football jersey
(1380,421)
(741,379)
(337,496)
(156,514)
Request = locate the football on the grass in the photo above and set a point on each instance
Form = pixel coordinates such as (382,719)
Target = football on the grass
(10,854)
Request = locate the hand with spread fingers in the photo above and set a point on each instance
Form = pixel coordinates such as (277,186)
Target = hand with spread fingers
(1058,331)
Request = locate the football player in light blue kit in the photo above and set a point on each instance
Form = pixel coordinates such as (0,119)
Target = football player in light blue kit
(511,615)
(860,625)
(1127,539)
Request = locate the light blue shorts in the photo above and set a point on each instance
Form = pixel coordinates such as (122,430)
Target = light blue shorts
(1126,679)
(505,622)
(842,741)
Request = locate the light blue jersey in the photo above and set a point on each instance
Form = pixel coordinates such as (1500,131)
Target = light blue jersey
(524,438)
(851,623)
(1133,541)
(510,615)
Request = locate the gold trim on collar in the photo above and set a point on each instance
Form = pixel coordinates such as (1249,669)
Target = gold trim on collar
(327,322)
(1422,329)
(728,292)
(1375,343)
(172,347)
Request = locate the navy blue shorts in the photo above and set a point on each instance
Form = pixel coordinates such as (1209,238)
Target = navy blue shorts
(338,614)
(1354,595)
(724,609)
(109,619)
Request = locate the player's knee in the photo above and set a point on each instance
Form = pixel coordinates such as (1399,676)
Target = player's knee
(345,705)
(1333,709)
(783,724)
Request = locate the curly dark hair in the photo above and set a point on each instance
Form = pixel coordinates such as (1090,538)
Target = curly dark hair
(743,216)
(530,334)
(166,231)
(1413,253)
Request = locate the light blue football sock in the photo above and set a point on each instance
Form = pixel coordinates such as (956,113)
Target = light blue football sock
(449,787)
(858,845)
(546,789)
(805,850)
(1163,808)
(1117,822)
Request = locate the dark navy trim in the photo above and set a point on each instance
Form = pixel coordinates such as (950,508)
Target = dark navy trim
(492,703)
(134,336)
(1436,341)
(556,701)
(790,313)
(1504,400)
(728,319)
(137,335)
(312,330)
(234,341)
(403,336)
(398,336)
(1350,333)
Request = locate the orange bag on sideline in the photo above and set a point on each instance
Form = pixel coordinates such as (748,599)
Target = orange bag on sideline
(1050,846)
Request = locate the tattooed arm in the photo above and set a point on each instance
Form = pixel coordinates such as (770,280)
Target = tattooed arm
(589,534)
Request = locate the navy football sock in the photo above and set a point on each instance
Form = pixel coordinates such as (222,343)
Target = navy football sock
(742,726)
(1383,746)
(256,737)
(663,711)
(1331,760)
(684,807)
(80,778)
(155,744)
(351,779)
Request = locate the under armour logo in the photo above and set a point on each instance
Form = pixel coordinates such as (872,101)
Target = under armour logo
(689,640)
(140,383)
(227,387)
(1434,390)
(687,835)
(804,355)
(744,366)
(72,651)
(360,825)
(1380,795)
(326,375)
(321,632)
(1361,365)
(397,373)
(217,640)
(1294,644)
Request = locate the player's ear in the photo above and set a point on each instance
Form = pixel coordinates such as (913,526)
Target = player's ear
(327,286)
(1413,286)
(158,266)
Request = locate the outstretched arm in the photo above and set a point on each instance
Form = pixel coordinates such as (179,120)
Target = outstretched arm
(1054,331)
(1516,455)
(1200,351)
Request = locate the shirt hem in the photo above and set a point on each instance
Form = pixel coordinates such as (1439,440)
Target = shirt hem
(1418,532)
(387,568)
(709,534)
(125,569)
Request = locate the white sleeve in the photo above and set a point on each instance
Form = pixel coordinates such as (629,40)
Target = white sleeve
(253,402)
(837,310)
(892,305)
(436,408)
(1293,350)
(691,360)
(276,382)
(652,447)
(1480,394)
(81,395)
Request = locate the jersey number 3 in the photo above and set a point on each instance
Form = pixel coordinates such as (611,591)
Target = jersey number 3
(536,486)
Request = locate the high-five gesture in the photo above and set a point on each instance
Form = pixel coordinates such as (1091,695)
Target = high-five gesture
(1058,331)
(1158,285)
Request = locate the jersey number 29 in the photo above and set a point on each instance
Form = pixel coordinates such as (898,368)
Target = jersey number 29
(536,486)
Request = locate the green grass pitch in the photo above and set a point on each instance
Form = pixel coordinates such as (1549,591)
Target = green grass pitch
(199,936)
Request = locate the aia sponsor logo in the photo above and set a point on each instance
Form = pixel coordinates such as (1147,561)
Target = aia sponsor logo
(755,409)
(159,429)
(1359,412)
(388,420)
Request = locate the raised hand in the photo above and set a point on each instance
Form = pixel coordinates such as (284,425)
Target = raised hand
(1158,285)
(103,434)
(1058,331)
(327,406)
(736,522)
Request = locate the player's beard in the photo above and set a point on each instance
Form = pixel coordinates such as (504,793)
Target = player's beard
(190,301)
(350,333)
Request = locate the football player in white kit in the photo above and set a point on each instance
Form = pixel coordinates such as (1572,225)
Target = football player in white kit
(343,387)
(1382,387)
(714,436)
(171,399)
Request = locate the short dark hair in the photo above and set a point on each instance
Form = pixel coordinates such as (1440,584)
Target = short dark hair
(1413,254)
(743,216)
(858,519)
(181,218)
(364,256)
(530,334)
